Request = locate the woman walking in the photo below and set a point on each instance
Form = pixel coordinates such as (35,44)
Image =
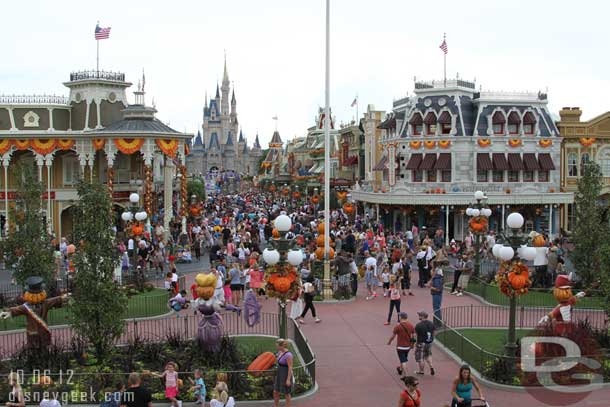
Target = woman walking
(410,396)
(308,295)
(394,301)
(284,378)
(462,388)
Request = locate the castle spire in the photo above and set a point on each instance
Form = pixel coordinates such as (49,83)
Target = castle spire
(217,91)
(225,75)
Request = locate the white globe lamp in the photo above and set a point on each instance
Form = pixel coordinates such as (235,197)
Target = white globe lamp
(134,198)
(468,211)
(486,212)
(126,216)
(140,216)
(283,223)
(271,257)
(515,220)
(479,195)
(528,253)
(475,212)
(295,257)
(495,250)
(506,253)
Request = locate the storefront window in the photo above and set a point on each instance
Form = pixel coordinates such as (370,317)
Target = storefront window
(605,166)
(543,176)
(528,176)
(498,176)
(482,175)
(513,176)
(446,175)
(431,175)
(418,175)
(584,160)
(572,165)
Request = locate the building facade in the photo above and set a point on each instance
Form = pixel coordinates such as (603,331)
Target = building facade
(448,141)
(94,133)
(351,152)
(217,147)
(373,148)
(582,142)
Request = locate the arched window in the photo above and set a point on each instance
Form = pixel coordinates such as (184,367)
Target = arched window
(416,124)
(584,160)
(572,165)
(430,122)
(604,164)
(513,123)
(445,122)
(529,123)
(498,121)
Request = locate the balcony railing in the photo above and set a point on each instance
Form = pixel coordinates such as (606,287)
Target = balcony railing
(110,76)
(33,99)
(443,84)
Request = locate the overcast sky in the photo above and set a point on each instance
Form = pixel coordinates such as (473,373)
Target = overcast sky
(275,52)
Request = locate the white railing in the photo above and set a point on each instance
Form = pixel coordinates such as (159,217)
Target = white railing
(33,99)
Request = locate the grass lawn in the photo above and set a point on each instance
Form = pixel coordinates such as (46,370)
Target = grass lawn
(145,304)
(492,340)
(255,345)
(534,298)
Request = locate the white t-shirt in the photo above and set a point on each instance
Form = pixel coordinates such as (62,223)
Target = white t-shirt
(217,403)
(49,403)
(195,230)
(130,244)
(371,262)
(174,277)
(541,259)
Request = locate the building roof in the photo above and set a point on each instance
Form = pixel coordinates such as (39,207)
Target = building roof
(214,141)
(229,139)
(276,139)
(217,91)
(241,137)
(198,140)
(140,125)
(257,144)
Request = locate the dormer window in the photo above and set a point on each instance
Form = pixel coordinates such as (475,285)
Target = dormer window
(416,124)
(498,121)
(529,122)
(430,122)
(445,122)
(513,123)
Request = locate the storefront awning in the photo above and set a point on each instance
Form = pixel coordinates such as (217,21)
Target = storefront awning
(444,162)
(484,162)
(428,162)
(382,164)
(530,162)
(515,162)
(499,162)
(546,162)
(414,161)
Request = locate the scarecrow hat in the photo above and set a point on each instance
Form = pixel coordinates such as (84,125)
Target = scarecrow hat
(563,281)
(35,285)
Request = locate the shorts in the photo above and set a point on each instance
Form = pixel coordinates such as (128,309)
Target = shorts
(171,392)
(177,306)
(237,287)
(463,281)
(386,286)
(422,351)
(405,283)
(403,355)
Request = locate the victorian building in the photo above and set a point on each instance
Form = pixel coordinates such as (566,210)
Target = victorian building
(94,133)
(351,153)
(582,142)
(217,147)
(448,141)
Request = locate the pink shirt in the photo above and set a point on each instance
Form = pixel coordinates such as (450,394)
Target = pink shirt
(171,379)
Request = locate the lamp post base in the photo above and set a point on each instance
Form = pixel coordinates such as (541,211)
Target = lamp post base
(327,292)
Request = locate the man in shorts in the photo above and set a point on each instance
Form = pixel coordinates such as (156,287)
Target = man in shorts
(423,348)
(405,331)
(465,276)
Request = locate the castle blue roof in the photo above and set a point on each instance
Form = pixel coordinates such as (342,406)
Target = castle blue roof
(214,107)
(198,140)
(214,141)
(241,137)
(257,144)
(229,139)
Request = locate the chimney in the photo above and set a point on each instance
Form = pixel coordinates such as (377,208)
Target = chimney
(568,114)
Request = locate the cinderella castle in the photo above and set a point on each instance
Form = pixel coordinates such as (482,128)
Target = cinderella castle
(217,147)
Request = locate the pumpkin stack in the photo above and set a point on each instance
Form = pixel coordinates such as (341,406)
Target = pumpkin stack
(320,240)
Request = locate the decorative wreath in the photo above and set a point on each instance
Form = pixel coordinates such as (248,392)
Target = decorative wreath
(478,224)
(484,142)
(282,281)
(513,279)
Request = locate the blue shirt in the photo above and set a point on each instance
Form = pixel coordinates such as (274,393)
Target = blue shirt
(437,282)
(235,277)
(200,382)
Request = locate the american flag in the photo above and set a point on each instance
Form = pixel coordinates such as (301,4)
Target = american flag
(444,46)
(102,33)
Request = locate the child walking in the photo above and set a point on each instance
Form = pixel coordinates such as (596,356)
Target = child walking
(385,278)
(171,382)
(198,388)
(394,293)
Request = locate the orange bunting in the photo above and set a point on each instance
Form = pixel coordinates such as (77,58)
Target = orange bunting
(415,144)
(169,147)
(5,145)
(128,145)
(22,144)
(484,142)
(515,142)
(587,141)
(99,143)
(65,144)
(43,146)
(545,143)
(429,144)
(444,143)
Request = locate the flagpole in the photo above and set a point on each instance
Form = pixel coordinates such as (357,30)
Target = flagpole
(357,101)
(98,58)
(327,290)
(445,62)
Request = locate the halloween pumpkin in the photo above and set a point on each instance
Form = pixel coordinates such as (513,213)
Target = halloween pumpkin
(562,294)
(285,191)
(518,280)
(195,211)
(315,199)
(320,253)
(282,284)
(275,233)
(539,241)
(478,224)
(320,241)
(137,230)
(321,228)
(264,361)
(296,195)
(341,195)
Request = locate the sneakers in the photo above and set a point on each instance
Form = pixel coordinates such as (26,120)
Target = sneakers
(432,371)
(386,323)
(368,298)
(459,294)
(318,320)
(300,320)
(419,373)
(399,370)
(374,295)
(410,293)
(454,292)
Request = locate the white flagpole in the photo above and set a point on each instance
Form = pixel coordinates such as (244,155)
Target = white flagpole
(98,57)
(357,101)
(445,59)
(328,293)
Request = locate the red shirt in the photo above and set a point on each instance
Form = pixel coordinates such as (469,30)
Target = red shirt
(404,331)
(194,291)
(411,402)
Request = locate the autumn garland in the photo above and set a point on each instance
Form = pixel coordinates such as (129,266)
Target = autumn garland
(128,145)
(65,144)
(99,143)
(43,146)
(513,279)
(5,145)
(168,147)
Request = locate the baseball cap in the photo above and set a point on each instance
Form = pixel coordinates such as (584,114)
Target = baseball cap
(403,315)
(422,314)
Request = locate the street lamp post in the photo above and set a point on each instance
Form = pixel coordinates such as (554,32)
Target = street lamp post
(474,211)
(512,249)
(278,253)
(134,211)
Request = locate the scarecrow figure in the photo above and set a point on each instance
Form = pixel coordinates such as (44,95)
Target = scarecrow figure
(36,306)
(562,313)
(209,333)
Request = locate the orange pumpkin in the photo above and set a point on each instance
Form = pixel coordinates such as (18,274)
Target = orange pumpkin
(315,199)
(348,208)
(478,224)
(562,294)
(539,241)
(264,361)
(137,230)
(282,284)
(285,191)
(518,281)
(321,228)
(296,195)
(275,233)
(195,211)
(320,253)
(320,241)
